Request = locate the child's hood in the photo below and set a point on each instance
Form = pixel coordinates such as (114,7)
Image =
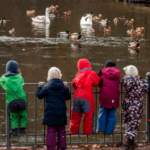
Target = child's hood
(83,63)
(15,82)
(84,68)
(55,84)
(111,73)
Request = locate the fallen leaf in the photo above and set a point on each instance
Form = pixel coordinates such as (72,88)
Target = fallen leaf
(81,145)
(98,145)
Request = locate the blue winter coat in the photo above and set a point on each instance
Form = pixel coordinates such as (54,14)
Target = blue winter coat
(55,110)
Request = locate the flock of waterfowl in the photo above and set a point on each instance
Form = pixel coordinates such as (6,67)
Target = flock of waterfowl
(85,22)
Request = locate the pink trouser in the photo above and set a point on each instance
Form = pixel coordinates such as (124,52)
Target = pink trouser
(51,142)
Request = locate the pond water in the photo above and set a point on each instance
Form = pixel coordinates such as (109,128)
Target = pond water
(36,47)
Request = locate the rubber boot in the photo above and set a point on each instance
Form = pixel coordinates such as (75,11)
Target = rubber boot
(14,132)
(126,144)
(22,130)
(132,144)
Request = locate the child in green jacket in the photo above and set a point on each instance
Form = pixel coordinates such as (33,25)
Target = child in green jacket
(16,100)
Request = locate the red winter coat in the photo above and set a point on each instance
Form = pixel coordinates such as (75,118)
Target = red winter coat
(84,81)
(109,90)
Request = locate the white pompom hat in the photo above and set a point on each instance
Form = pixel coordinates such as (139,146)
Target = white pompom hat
(53,72)
(131,70)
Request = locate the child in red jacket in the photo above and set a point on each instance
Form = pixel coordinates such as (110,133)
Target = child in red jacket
(109,97)
(83,101)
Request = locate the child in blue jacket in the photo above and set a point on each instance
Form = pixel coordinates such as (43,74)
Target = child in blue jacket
(55,110)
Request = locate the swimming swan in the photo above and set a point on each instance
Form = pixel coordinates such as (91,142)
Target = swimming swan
(42,19)
(86,20)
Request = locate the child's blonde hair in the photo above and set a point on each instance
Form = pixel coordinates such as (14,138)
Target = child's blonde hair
(53,72)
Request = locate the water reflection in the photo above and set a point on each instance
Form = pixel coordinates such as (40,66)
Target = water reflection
(87,30)
(75,46)
(41,28)
(133,52)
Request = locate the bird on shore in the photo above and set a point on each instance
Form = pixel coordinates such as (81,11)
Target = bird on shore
(64,34)
(43,19)
(76,36)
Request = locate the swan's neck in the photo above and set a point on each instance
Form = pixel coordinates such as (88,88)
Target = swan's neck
(47,17)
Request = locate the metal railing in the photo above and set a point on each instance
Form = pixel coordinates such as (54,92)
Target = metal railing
(71,139)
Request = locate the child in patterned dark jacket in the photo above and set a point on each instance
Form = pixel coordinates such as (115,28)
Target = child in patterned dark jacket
(132,104)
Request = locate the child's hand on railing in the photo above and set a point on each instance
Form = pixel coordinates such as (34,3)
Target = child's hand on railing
(41,84)
(66,84)
(19,71)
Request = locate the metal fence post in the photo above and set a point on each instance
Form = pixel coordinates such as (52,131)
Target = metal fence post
(7,128)
(148,108)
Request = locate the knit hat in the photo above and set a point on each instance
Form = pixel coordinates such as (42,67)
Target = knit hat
(11,68)
(109,63)
(53,73)
(131,70)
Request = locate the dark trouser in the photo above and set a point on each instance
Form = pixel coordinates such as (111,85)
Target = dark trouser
(18,107)
(51,137)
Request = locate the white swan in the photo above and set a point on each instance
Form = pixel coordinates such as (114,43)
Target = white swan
(42,19)
(86,20)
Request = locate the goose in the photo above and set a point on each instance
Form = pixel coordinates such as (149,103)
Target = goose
(42,19)
(76,36)
(86,20)
(12,32)
(53,15)
(3,21)
(68,13)
(30,12)
(63,34)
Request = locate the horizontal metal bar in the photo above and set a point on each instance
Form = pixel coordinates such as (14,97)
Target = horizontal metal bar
(67,134)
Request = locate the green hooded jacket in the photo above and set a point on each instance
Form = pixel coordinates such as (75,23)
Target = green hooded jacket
(13,85)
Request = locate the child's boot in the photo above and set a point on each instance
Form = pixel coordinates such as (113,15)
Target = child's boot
(132,144)
(22,130)
(14,132)
(126,144)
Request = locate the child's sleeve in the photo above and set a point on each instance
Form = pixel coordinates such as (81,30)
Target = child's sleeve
(2,82)
(95,78)
(67,94)
(74,83)
(41,93)
(145,86)
(22,82)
